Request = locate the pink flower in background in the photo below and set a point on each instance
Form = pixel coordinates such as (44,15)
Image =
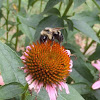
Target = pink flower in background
(1,80)
(96,85)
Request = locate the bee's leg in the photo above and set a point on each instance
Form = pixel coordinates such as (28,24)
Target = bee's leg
(74,56)
(43,38)
(52,40)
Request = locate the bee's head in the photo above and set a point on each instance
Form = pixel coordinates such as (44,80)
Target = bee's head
(51,34)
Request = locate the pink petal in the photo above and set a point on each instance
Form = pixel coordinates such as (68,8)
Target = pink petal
(65,86)
(96,65)
(30,81)
(70,70)
(26,70)
(36,86)
(71,63)
(29,77)
(1,80)
(28,47)
(39,87)
(23,57)
(31,86)
(33,46)
(68,51)
(51,92)
(27,50)
(96,85)
(25,54)
(60,87)
(98,62)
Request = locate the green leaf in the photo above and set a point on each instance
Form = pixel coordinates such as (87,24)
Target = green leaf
(97,94)
(65,34)
(80,71)
(50,4)
(50,21)
(78,3)
(28,31)
(69,24)
(82,88)
(98,1)
(77,77)
(86,29)
(89,96)
(31,21)
(1,1)
(10,65)
(53,11)
(17,34)
(74,95)
(42,95)
(74,49)
(2,31)
(90,17)
(31,2)
(11,90)
(95,55)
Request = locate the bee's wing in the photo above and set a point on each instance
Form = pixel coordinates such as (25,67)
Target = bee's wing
(58,28)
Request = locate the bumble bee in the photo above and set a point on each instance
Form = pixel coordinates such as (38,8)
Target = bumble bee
(51,34)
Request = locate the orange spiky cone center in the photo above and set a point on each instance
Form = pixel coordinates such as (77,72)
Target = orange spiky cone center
(48,63)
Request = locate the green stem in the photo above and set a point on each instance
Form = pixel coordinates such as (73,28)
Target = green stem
(96,4)
(41,6)
(86,42)
(19,6)
(68,7)
(7,19)
(60,5)
(23,95)
(90,44)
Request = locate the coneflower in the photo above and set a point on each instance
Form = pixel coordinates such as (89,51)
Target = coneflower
(47,65)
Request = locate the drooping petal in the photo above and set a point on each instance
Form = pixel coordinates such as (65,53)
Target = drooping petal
(30,81)
(51,92)
(28,77)
(65,86)
(37,86)
(96,85)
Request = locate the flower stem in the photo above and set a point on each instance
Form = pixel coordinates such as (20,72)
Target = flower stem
(88,46)
(96,4)
(60,5)
(19,5)
(68,7)
(7,19)
(90,43)
(23,95)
